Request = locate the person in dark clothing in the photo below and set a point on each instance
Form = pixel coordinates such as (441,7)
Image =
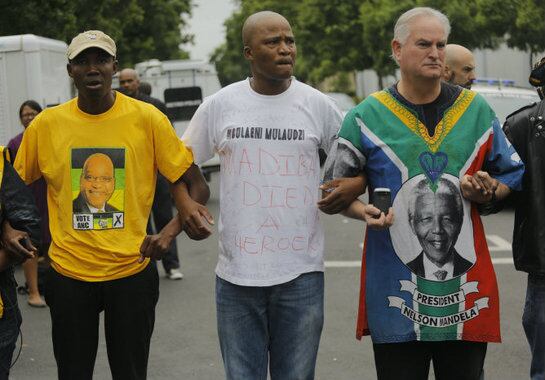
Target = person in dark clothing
(161,212)
(130,84)
(145,88)
(19,242)
(27,112)
(525,129)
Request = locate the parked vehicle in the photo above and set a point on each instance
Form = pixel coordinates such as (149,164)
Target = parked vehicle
(31,67)
(181,85)
(503,97)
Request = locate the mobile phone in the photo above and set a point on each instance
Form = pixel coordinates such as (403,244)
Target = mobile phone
(382,199)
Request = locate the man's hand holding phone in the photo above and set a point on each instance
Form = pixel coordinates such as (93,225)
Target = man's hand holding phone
(379,214)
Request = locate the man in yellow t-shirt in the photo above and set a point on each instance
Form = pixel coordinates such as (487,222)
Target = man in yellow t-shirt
(109,147)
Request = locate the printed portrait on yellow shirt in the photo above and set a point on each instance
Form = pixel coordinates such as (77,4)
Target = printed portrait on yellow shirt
(98,188)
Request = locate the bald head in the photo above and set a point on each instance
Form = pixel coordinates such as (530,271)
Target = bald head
(269,47)
(129,81)
(258,21)
(97,181)
(459,66)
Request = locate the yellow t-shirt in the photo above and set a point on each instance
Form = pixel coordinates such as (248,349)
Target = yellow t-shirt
(100,172)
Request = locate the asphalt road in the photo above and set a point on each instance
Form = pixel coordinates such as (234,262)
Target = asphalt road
(184,344)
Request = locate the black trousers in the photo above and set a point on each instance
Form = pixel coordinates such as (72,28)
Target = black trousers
(452,360)
(9,323)
(161,214)
(129,317)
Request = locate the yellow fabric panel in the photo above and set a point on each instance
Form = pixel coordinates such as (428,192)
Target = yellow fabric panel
(450,118)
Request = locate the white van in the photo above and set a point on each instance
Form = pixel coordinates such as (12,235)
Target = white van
(503,96)
(31,67)
(181,85)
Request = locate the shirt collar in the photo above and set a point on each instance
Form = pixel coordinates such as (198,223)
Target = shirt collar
(430,268)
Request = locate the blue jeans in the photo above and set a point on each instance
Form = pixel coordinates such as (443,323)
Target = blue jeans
(533,321)
(280,323)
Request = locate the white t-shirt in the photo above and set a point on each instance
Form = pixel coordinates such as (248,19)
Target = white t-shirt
(269,232)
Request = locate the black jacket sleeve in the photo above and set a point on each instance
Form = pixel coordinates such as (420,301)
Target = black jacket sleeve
(17,203)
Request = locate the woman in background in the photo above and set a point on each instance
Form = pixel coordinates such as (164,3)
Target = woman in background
(27,112)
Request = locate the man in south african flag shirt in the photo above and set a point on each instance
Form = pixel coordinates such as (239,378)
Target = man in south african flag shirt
(428,287)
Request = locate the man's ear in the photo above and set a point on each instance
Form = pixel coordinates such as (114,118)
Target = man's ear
(69,69)
(116,63)
(396,49)
(248,53)
(447,72)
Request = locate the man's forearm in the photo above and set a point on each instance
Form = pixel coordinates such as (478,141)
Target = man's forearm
(173,228)
(191,184)
(181,195)
(355,210)
(199,193)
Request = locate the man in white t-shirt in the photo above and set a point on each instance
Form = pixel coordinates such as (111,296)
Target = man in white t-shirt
(267,130)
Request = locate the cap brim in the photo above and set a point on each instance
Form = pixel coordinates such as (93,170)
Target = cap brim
(90,44)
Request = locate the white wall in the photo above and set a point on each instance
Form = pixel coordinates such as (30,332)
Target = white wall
(504,63)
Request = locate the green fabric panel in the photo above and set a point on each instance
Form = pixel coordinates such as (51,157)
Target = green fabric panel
(350,130)
(435,288)
(479,116)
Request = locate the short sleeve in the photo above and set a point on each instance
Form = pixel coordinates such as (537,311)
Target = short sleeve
(333,119)
(199,134)
(503,162)
(173,158)
(346,157)
(26,162)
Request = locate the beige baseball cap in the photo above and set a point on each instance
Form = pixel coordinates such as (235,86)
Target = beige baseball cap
(89,39)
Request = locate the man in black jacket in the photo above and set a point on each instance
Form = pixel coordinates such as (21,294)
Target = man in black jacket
(525,129)
(19,242)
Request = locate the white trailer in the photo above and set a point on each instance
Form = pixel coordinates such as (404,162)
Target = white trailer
(181,85)
(182,73)
(31,67)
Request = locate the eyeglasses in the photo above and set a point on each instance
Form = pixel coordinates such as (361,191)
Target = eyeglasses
(100,179)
